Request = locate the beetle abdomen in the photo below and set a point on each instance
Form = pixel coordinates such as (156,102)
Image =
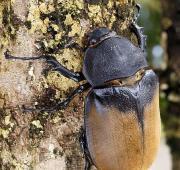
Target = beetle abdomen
(123,125)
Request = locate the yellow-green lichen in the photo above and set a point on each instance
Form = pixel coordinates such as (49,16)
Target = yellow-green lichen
(76,29)
(36,129)
(7,159)
(4,133)
(37,123)
(58,36)
(36,23)
(56,119)
(95,13)
(8,125)
(68,20)
(7,121)
(73,5)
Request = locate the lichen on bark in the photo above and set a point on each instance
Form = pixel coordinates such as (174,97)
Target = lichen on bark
(39,140)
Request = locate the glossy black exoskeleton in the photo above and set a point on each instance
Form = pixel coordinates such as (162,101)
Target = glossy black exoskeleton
(121,120)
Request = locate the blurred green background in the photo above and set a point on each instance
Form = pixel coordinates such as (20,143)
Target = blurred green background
(161,20)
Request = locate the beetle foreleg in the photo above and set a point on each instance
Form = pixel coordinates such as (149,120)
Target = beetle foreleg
(139,31)
(138,7)
(56,66)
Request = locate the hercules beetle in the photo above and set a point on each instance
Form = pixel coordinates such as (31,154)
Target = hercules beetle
(121,120)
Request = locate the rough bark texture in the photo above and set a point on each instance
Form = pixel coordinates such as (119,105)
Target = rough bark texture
(170,78)
(38,140)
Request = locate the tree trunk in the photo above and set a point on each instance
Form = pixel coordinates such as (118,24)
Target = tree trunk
(171,78)
(40,140)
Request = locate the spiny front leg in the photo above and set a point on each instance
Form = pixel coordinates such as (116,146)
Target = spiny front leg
(139,31)
(56,66)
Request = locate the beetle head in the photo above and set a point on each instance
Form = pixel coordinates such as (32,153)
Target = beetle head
(114,57)
(99,35)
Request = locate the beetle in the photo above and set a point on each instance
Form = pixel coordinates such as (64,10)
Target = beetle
(121,116)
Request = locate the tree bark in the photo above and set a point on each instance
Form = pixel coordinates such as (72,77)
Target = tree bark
(170,78)
(39,140)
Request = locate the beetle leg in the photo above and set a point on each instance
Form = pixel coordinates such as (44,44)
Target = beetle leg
(138,7)
(54,64)
(83,143)
(80,89)
(62,104)
(87,165)
(139,31)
